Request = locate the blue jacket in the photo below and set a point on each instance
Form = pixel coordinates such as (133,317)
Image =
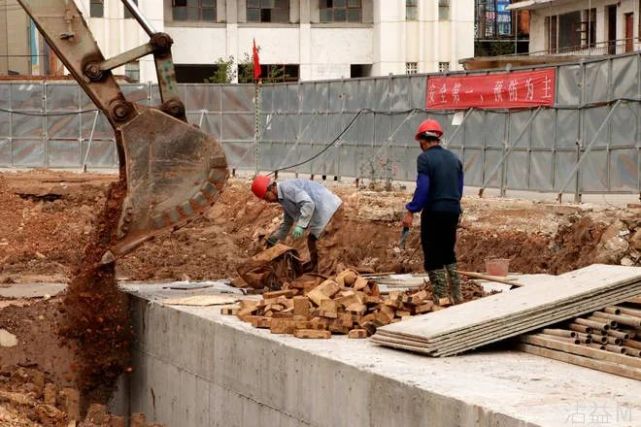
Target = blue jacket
(439,183)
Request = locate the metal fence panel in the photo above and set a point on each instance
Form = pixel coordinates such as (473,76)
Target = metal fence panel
(585,134)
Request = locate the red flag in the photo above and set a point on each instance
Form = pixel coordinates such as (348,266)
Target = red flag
(257,72)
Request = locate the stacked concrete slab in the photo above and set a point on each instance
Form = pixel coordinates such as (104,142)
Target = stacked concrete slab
(498,317)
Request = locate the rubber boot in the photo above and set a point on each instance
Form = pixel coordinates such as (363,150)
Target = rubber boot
(439,284)
(455,283)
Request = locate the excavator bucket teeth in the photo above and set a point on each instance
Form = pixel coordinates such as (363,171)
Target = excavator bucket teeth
(175,172)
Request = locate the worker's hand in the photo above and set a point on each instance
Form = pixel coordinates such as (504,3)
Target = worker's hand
(408,219)
(271,241)
(298,232)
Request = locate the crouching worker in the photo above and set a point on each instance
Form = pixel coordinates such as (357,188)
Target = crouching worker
(307,206)
(439,188)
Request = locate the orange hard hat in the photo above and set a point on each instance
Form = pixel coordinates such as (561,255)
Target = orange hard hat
(260,185)
(429,127)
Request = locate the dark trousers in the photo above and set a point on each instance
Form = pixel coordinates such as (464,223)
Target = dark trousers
(438,238)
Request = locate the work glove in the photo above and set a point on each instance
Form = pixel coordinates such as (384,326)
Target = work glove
(298,232)
(271,241)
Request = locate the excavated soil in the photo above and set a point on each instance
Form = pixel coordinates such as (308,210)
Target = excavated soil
(96,311)
(48,219)
(55,226)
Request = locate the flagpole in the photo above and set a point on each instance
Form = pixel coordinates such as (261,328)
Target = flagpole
(257,113)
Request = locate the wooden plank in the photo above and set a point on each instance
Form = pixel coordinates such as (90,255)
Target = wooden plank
(586,362)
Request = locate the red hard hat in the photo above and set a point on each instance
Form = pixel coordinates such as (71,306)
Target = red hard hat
(429,127)
(260,185)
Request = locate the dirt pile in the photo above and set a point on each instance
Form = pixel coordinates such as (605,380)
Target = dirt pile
(96,311)
(29,397)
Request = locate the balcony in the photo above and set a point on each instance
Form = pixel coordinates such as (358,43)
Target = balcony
(552,56)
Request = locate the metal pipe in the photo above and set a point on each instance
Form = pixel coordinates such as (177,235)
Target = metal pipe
(612,310)
(632,343)
(619,334)
(144,23)
(610,322)
(572,340)
(630,311)
(593,324)
(559,333)
(635,322)
(635,352)
(614,340)
(581,328)
(615,348)
(585,338)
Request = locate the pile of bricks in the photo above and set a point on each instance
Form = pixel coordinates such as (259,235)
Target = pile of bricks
(347,304)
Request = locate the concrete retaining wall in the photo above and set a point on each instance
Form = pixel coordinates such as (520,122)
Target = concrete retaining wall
(194,367)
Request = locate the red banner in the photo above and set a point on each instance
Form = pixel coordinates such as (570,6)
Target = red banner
(518,89)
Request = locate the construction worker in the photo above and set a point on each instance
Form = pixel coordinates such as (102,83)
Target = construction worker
(439,188)
(306,204)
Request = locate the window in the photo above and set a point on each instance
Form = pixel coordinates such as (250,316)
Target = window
(360,70)
(443,67)
(411,68)
(267,10)
(550,30)
(194,10)
(571,31)
(128,14)
(411,10)
(589,28)
(96,8)
(340,11)
(443,10)
(194,73)
(132,71)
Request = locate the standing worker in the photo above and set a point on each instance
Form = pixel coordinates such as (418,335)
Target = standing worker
(306,205)
(439,188)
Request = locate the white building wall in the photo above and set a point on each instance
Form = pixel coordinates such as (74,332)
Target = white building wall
(324,51)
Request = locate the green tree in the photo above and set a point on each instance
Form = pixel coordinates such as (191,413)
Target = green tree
(225,71)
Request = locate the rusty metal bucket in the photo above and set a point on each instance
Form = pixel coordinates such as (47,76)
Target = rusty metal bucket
(174,172)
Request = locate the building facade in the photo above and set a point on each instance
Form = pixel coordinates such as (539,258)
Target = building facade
(303,39)
(582,28)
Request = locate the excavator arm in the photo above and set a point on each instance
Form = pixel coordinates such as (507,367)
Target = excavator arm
(174,171)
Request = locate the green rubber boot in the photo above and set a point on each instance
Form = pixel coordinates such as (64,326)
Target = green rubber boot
(455,283)
(438,280)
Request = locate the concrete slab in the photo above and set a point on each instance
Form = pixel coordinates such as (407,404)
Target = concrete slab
(32,290)
(195,367)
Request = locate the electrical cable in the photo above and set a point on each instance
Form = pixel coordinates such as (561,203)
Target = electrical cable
(328,146)
(49,113)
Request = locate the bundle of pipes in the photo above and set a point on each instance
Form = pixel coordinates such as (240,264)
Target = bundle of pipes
(608,340)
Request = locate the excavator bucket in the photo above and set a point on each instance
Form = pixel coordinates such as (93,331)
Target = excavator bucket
(174,172)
